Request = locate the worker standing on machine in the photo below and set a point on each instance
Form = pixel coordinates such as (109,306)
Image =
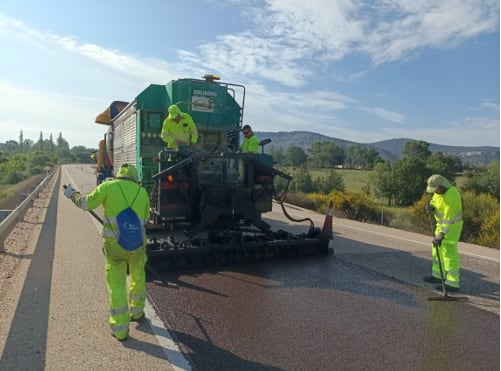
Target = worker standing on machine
(447,209)
(117,196)
(178,129)
(250,143)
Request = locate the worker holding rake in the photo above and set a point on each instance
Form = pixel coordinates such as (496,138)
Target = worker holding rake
(447,209)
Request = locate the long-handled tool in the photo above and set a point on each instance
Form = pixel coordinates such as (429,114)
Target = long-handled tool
(445,296)
(90,211)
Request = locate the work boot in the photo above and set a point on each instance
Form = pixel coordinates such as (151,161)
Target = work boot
(137,318)
(431,279)
(121,335)
(447,288)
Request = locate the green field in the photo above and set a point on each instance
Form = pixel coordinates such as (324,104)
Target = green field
(359,180)
(356,180)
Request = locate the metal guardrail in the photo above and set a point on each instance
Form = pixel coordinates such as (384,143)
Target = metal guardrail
(17,214)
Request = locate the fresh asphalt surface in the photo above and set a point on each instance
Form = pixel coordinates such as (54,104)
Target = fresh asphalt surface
(363,308)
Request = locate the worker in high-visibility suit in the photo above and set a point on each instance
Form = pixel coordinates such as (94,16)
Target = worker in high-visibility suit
(116,195)
(448,212)
(178,129)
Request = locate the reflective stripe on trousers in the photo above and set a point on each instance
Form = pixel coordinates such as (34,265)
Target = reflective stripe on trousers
(136,303)
(121,299)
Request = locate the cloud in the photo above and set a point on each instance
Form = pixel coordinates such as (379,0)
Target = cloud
(291,39)
(293,110)
(415,25)
(490,104)
(386,114)
(54,49)
(289,43)
(146,70)
(57,84)
(251,55)
(36,112)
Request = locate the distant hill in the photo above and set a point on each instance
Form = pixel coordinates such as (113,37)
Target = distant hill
(390,149)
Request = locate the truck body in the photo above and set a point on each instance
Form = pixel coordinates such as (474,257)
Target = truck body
(211,190)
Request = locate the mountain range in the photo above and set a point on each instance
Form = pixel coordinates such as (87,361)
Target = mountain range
(389,150)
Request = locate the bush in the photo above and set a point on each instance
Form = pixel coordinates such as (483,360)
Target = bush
(320,201)
(419,220)
(480,218)
(399,218)
(12,177)
(300,199)
(356,206)
(489,232)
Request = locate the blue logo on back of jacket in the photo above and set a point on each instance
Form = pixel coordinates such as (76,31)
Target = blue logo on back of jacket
(130,227)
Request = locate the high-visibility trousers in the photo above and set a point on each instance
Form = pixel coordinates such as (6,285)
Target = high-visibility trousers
(449,257)
(125,303)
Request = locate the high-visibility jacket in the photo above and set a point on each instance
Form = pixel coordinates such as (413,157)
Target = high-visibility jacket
(124,304)
(108,195)
(250,144)
(448,213)
(184,130)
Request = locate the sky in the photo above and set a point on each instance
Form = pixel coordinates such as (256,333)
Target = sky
(362,71)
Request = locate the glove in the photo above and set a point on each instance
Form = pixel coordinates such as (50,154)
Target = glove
(68,190)
(437,241)
(429,209)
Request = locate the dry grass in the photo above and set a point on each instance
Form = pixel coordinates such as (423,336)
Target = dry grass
(10,193)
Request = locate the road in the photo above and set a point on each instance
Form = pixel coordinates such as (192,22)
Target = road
(363,308)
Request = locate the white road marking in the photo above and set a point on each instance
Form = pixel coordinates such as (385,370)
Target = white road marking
(418,242)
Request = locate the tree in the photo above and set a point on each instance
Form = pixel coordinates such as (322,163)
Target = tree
(410,175)
(333,182)
(278,155)
(50,144)
(81,154)
(447,166)
(27,145)
(382,179)
(326,154)
(361,157)
(405,182)
(11,147)
(413,169)
(484,180)
(416,149)
(14,169)
(295,156)
(38,146)
(38,161)
(21,141)
(302,181)
(63,149)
